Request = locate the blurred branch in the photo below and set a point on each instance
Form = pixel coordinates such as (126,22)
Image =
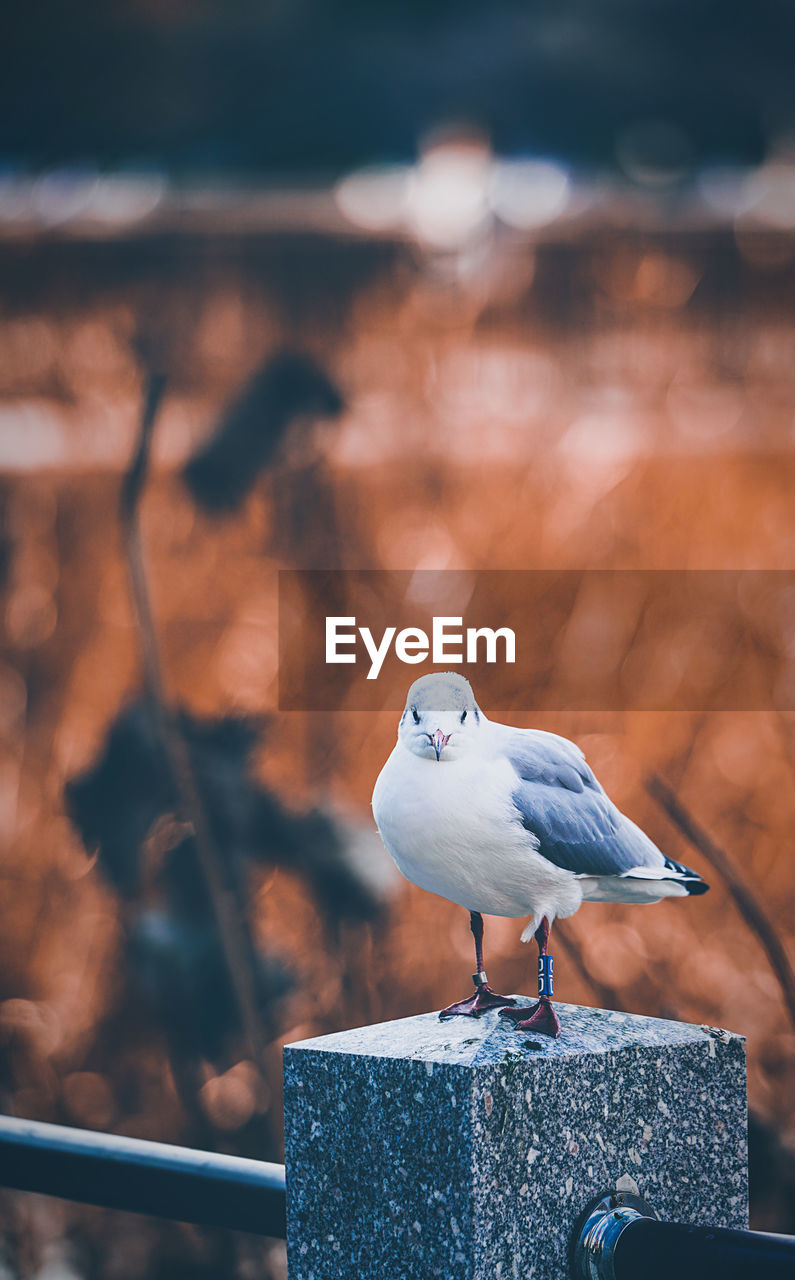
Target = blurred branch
(132,487)
(745,899)
(231,924)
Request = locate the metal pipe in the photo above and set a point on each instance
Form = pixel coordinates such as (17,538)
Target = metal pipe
(143,1177)
(623,1239)
(658,1250)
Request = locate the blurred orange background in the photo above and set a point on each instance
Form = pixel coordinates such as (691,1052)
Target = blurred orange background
(609,393)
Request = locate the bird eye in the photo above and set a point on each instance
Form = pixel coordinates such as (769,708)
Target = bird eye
(463,715)
(416,715)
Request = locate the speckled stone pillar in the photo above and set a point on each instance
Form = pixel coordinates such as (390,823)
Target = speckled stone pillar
(465,1150)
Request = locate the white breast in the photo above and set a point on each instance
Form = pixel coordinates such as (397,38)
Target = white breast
(452,829)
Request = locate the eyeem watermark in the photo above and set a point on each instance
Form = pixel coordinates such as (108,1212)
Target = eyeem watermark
(540,640)
(449,642)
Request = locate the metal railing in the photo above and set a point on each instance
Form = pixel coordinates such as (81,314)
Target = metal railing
(620,1237)
(143,1177)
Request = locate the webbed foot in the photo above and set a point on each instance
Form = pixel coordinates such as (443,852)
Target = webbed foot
(483,1000)
(540,1018)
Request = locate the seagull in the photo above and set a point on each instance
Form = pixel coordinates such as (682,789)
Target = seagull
(509,822)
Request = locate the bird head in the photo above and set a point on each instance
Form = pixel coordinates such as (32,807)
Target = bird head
(441,718)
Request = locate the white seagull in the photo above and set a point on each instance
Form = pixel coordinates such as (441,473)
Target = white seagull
(509,822)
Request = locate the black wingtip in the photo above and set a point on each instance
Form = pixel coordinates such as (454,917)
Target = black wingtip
(691,879)
(696,887)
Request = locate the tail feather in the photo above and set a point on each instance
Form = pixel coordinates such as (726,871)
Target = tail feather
(689,880)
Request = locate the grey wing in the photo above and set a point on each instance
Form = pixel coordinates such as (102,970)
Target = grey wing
(560,802)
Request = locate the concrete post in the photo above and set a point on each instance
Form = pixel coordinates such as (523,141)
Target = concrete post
(466,1151)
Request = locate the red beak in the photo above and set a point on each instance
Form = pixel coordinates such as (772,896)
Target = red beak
(439,741)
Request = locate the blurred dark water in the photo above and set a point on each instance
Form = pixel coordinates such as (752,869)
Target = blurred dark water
(317,87)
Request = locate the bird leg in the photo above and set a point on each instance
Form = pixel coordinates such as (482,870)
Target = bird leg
(541,1017)
(484,998)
